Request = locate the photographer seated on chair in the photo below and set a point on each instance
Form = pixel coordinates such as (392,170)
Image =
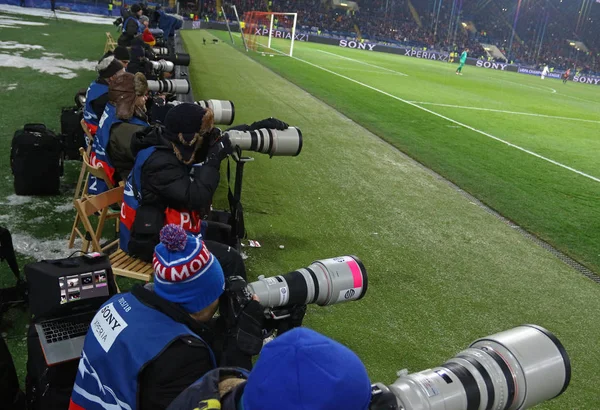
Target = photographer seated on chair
(300,370)
(175,176)
(96,97)
(124,114)
(145,347)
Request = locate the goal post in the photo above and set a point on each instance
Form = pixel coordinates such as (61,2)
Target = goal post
(269,32)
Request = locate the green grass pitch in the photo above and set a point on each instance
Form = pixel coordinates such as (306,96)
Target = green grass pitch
(442,271)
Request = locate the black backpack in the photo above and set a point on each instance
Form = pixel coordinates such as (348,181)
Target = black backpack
(36,160)
(72,134)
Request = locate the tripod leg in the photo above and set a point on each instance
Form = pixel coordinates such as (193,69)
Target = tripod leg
(7,251)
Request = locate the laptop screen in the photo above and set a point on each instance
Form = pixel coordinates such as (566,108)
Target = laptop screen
(68,286)
(83,286)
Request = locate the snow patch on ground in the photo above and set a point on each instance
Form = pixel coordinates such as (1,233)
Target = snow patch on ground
(45,34)
(5,26)
(64,208)
(13,45)
(11,87)
(62,15)
(12,22)
(14,200)
(51,54)
(39,249)
(49,65)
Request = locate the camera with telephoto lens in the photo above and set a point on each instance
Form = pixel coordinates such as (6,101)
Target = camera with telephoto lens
(161,42)
(324,282)
(286,142)
(163,53)
(223,110)
(511,370)
(162,66)
(177,86)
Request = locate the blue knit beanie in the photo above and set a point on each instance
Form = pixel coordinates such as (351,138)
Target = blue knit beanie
(185,272)
(304,370)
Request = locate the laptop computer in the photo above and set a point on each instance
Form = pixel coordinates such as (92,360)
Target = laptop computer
(64,295)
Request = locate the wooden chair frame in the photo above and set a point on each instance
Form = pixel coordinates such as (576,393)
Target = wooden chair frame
(122,264)
(81,192)
(111,44)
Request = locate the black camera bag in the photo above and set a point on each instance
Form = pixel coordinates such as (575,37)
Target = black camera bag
(145,232)
(36,160)
(72,134)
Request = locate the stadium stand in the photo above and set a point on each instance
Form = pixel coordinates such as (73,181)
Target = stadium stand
(414,24)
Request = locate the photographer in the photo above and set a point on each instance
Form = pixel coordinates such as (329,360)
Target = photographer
(164,337)
(141,55)
(122,54)
(147,35)
(132,27)
(175,175)
(300,370)
(123,116)
(96,97)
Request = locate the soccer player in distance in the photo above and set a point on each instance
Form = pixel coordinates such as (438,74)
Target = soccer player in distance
(463,60)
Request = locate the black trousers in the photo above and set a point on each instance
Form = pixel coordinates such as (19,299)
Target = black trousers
(231,261)
(11,395)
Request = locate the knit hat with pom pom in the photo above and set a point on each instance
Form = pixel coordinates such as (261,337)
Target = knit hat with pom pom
(185,272)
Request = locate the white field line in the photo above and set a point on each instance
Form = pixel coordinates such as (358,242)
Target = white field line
(365,63)
(580,99)
(506,112)
(535,154)
(543,88)
(360,70)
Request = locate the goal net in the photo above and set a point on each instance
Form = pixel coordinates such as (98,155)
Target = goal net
(270,32)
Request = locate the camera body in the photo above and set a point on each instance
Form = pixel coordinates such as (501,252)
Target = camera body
(238,295)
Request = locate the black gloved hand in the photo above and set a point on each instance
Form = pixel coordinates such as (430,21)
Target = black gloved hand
(219,149)
(270,123)
(283,325)
(248,330)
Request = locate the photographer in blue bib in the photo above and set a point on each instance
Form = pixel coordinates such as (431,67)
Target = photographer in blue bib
(174,177)
(132,26)
(300,370)
(145,347)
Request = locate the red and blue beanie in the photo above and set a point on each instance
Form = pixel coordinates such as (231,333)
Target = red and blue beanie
(304,370)
(185,272)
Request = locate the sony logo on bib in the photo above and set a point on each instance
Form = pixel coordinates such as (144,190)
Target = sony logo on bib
(107,325)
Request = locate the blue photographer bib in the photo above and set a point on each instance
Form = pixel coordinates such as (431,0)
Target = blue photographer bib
(139,24)
(132,197)
(94,91)
(118,345)
(99,155)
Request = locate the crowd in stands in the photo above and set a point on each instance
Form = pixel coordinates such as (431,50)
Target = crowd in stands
(397,23)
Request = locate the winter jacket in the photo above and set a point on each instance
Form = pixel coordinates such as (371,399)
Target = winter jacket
(119,147)
(219,389)
(121,337)
(186,359)
(166,181)
(131,28)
